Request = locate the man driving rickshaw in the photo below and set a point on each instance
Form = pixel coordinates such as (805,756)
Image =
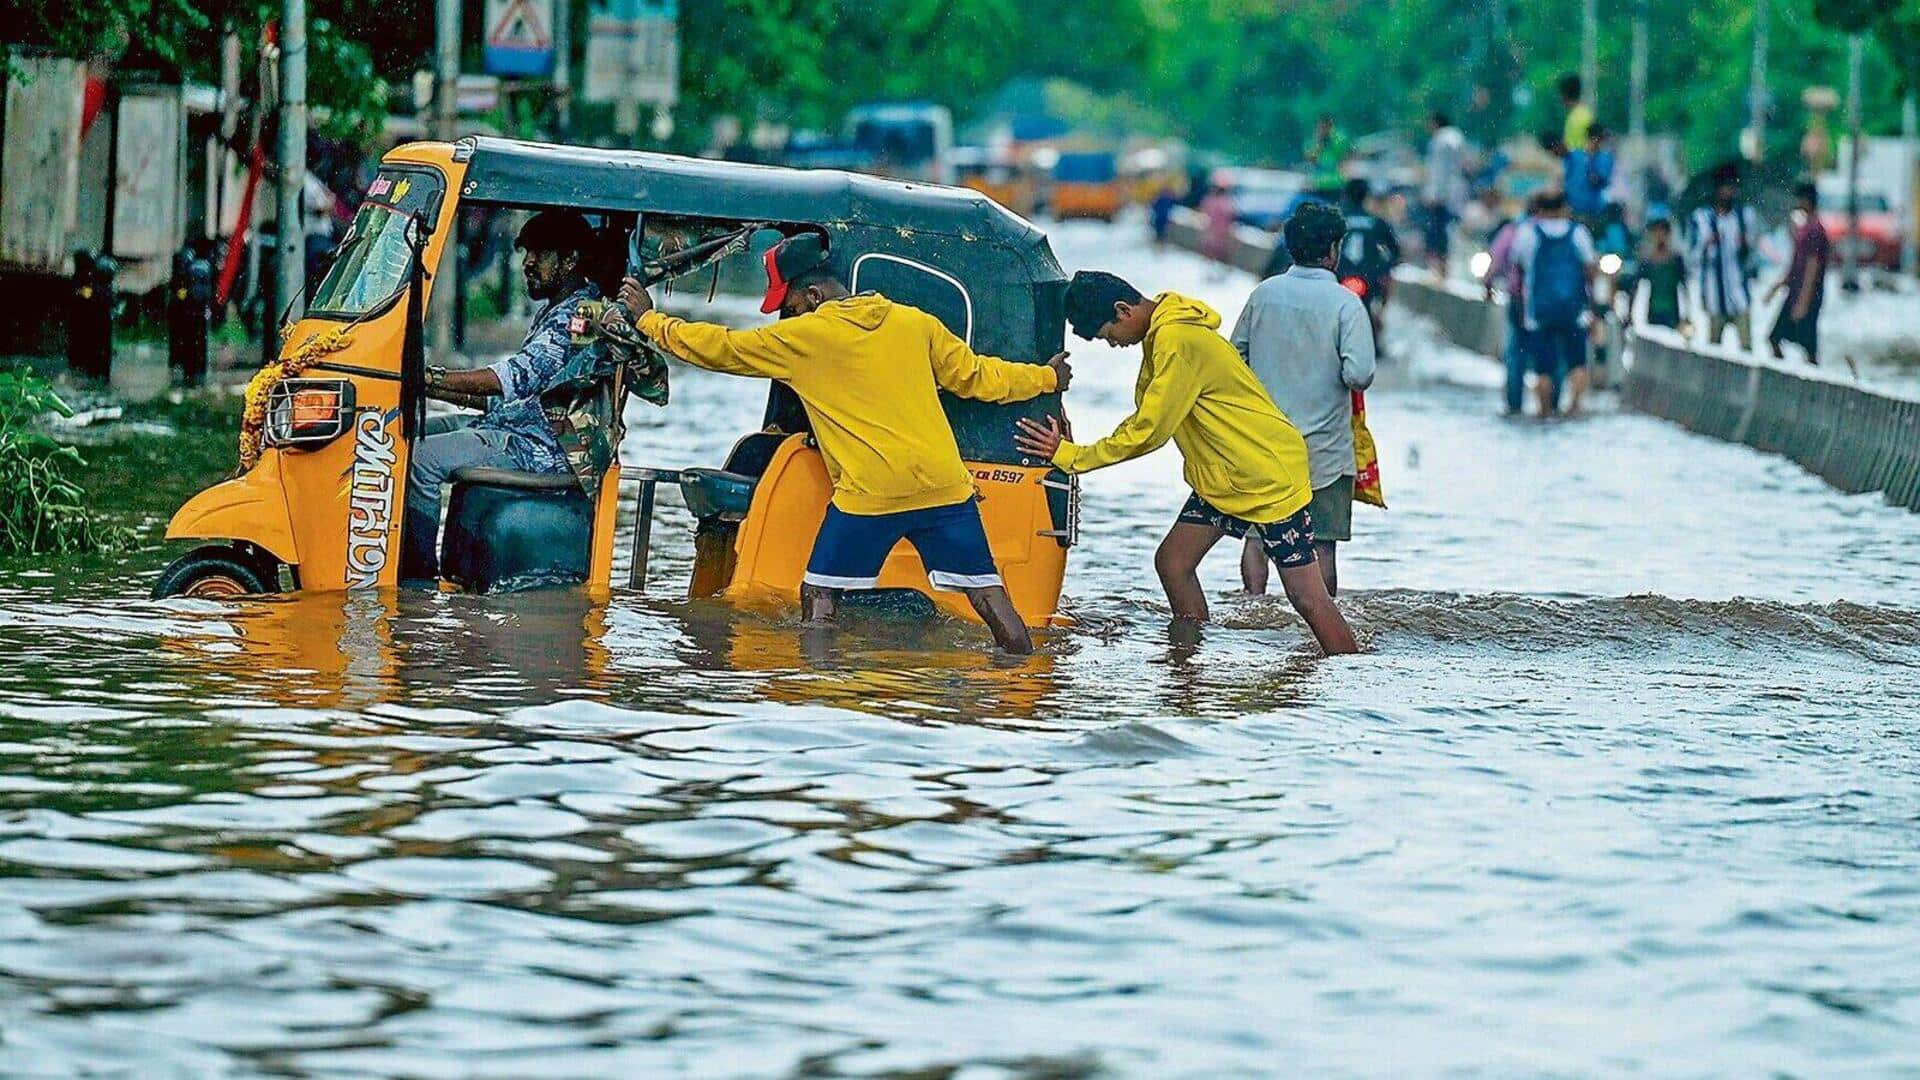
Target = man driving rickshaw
(512,432)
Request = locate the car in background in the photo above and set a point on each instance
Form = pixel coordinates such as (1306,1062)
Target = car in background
(1878,243)
(1262,198)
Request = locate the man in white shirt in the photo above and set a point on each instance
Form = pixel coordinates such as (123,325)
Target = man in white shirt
(1720,250)
(1555,259)
(1310,341)
(1445,191)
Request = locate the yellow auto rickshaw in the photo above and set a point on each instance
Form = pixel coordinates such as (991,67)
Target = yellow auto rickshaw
(319,504)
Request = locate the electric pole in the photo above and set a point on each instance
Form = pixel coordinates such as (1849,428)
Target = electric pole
(1849,251)
(1637,113)
(1757,90)
(446,94)
(1590,53)
(290,232)
(562,66)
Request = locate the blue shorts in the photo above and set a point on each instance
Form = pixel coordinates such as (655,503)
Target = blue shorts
(850,548)
(1288,542)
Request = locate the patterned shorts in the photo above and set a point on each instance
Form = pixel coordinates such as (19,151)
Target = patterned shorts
(1289,543)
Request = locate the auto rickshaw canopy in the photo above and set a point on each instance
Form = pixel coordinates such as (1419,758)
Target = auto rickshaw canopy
(987,274)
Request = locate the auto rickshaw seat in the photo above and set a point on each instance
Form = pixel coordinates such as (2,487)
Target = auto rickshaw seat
(717,493)
(516,479)
(509,530)
(727,493)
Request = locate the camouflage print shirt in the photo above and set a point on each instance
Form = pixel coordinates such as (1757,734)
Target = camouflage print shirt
(549,351)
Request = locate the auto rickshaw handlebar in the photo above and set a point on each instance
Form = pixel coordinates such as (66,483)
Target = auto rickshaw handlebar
(685,261)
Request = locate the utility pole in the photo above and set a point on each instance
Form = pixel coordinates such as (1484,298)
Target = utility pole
(1590,53)
(1856,55)
(1757,90)
(446,94)
(562,66)
(290,233)
(1909,251)
(1637,113)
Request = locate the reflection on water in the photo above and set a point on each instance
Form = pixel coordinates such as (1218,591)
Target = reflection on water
(1626,779)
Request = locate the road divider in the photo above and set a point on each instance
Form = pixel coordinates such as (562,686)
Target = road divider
(1855,438)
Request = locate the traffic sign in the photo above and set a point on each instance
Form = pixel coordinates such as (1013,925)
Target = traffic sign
(520,38)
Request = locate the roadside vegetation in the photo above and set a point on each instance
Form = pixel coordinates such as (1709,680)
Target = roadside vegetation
(116,492)
(43,508)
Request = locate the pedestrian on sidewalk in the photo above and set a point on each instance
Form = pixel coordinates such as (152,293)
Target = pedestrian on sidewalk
(1246,464)
(1325,153)
(1579,120)
(1556,259)
(1504,275)
(1160,213)
(1805,282)
(1721,236)
(1310,341)
(1589,175)
(1445,193)
(1663,273)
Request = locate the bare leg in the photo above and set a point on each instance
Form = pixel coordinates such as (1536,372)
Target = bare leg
(1178,561)
(1323,557)
(1576,389)
(817,603)
(1544,393)
(996,609)
(1307,591)
(1253,567)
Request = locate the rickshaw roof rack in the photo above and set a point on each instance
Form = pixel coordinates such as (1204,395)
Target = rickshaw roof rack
(533,174)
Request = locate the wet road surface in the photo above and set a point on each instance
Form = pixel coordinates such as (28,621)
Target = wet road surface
(1625,782)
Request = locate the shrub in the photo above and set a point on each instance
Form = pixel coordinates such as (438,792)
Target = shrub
(42,508)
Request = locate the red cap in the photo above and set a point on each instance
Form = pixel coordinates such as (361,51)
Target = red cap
(776,285)
(789,259)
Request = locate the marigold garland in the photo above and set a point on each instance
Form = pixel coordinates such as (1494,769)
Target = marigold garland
(253,421)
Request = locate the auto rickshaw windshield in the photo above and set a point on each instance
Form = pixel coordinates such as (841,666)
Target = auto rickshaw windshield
(371,267)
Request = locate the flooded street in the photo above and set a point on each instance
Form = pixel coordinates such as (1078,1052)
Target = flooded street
(1627,779)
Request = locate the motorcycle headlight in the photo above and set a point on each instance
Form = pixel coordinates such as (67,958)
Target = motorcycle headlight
(306,413)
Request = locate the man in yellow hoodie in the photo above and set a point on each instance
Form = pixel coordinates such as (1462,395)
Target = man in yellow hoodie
(1246,464)
(868,371)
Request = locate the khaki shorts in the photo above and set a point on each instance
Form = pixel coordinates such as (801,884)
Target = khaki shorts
(1332,508)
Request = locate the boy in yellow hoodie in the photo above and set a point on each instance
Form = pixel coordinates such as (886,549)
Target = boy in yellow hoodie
(868,372)
(1246,464)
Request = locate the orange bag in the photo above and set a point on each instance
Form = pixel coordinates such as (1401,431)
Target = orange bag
(1366,457)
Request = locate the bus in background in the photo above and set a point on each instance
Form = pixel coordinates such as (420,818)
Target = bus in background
(992,175)
(1086,184)
(908,140)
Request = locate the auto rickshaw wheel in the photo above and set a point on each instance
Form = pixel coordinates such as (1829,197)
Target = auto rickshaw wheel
(217,573)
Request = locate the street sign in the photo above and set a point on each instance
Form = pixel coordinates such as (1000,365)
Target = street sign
(519,38)
(633,52)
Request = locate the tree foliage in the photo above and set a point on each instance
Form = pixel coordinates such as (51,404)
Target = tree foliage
(1243,76)
(1250,76)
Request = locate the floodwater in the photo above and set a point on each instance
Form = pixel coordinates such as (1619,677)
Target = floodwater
(1625,782)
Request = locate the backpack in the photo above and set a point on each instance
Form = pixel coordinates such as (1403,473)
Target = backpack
(1557,283)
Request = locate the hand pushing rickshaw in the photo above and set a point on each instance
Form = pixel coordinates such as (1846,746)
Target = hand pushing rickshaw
(325,452)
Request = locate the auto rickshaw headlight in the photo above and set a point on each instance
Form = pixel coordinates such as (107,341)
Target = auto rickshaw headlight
(307,413)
